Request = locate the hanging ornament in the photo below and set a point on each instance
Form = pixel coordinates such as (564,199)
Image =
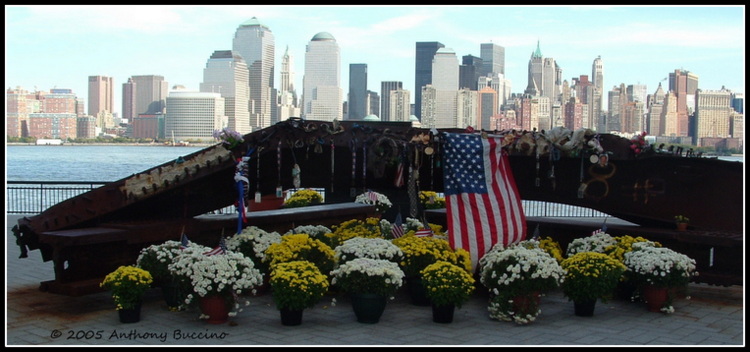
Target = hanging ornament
(278,170)
(296,176)
(353,148)
(257,178)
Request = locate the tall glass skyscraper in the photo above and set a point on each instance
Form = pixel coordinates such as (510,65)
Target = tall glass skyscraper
(256,44)
(226,73)
(425,51)
(357,91)
(322,93)
(493,58)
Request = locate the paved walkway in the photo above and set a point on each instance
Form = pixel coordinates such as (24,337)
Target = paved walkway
(713,316)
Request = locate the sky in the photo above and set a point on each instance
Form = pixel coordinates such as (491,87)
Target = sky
(59,46)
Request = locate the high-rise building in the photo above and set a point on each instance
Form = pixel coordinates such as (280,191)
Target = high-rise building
(386,87)
(493,59)
(655,105)
(288,103)
(19,103)
(487,108)
(425,51)
(399,101)
(255,42)
(194,115)
(684,84)
(145,94)
(536,73)
(226,73)
(101,95)
(597,78)
(469,72)
(322,93)
(712,114)
(467,107)
(445,70)
(357,91)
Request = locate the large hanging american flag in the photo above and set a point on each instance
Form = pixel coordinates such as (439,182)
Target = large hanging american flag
(482,202)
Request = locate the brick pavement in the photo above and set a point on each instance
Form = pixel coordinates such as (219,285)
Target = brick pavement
(713,316)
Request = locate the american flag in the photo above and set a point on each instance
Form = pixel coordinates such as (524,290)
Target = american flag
(602,229)
(184,241)
(398,227)
(482,202)
(372,196)
(399,181)
(424,232)
(220,249)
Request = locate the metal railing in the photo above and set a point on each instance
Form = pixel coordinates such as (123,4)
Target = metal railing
(33,197)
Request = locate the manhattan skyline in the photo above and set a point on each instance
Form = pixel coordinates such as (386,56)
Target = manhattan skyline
(638,45)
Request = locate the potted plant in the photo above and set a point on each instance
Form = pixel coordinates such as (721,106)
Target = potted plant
(127,284)
(253,243)
(300,246)
(369,228)
(597,242)
(682,222)
(369,282)
(215,282)
(379,200)
(657,271)
(552,247)
(590,276)
(303,198)
(156,259)
(516,276)
(296,285)
(626,288)
(363,247)
(447,286)
(431,200)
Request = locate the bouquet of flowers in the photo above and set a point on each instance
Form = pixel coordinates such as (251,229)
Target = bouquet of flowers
(303,198)
(300,246)
(447,284)
(597,242)
(367,275)
(228,137)
(362,247)
(253,242)
(431,200)
(516,271)
(380,201)
(227,275)
(297,284)
(590,276)
(128,284)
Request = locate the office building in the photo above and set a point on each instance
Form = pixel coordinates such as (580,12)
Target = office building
(386,88)
(101,95)
(425,51)
(322,93)
(357,102)
(255,42)
(194,115)
(145,94)
(493,59)
(226,73)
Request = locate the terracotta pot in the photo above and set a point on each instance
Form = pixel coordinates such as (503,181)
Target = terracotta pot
(655,297)
(215,307)
(682,226)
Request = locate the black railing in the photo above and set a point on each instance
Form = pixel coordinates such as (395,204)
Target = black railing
(33,197)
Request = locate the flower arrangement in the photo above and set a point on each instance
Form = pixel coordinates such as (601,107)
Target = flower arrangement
(431,200)
(552,247)
(380,201)
(638,143)
(368,228)
(253,242)
(659,266)
(228,137)
(227,275)
(128,284)
(362,247)
(624,244)
(590,276)
(297,284)
(301,246)
(419,252)
(597,242)
(156,259)
(681,219)
(447,283)
(303,198)
(516,271)
(315,231)
(367,275)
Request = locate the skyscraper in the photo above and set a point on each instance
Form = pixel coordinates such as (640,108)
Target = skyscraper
(288,103)
(493,59)
(255,42)
(425,51)
(536,72)
(101,95)
(469,72)
(226,73)
(194,115)
(596,103)
(322,93)
(386,88)
(144,95)
(712,114)
(358,91)
(684,84)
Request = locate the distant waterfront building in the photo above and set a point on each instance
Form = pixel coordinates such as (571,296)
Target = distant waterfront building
(425,51)
(469,72)
(386,87)
(684,84)
(53,125)
(101,95)
(145,94)
(226,73)
(255,42)
(487,108)
(738,102)
(86,127)
(194,115)
(148,126)
(713,115)
(288,101)
(322,96)
(596,103)
(467,108)
(655,106)
(19,103)
(373,103)
(357,91)
(493,59)
(399,102)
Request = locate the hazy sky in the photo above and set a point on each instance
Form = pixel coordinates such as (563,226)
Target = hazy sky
(48,46)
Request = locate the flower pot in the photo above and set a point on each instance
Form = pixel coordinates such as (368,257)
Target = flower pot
(132,315)
(584,308)
(443,314)
(655,297)
(417,292)
(527,304)
(291,317)
(368,307)
(215,307)
(682,226)
(267,202)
